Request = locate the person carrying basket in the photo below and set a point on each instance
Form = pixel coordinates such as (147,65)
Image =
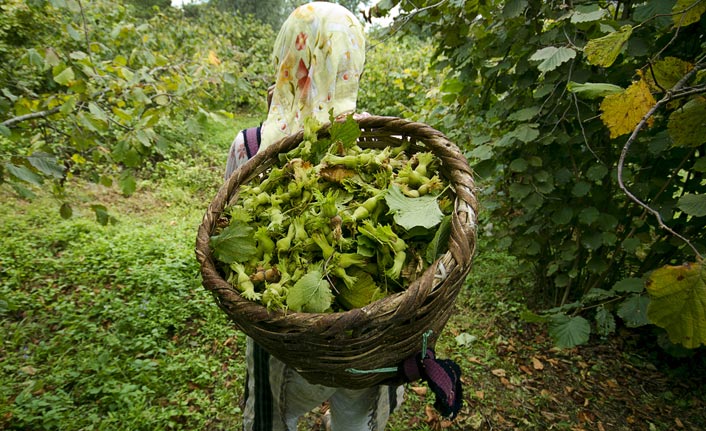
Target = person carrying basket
(319,56)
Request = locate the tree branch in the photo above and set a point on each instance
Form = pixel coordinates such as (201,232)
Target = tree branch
(31,116)
(623,154)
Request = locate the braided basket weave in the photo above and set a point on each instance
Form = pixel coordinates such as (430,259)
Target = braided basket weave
(325,347)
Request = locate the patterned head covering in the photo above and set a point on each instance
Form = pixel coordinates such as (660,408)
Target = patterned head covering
(319,55)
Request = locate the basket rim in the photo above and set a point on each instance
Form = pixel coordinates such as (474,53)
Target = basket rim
(341,320)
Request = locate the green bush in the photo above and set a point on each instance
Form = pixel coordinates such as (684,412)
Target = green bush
(109,94)
(543,97)
(107,327)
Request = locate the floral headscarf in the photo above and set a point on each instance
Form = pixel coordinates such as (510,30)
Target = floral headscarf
(319,55)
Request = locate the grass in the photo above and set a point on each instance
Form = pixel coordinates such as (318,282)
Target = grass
(109,328)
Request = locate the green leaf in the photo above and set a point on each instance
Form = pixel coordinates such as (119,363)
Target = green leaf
(51,58)
(631,244)
(127,183)
(482,152)
(687,12)
(35,59)
(592,90)
(633,311)
(65,77)
(588,14)
(514,8)
(5,131)
(452,86)
(73,33)
(409,213)
(700,164)
(596,173)
(310,294)
(552,57)
(629,285)
(526,132)
(520,191)
(235,243)
(596,294)
(679,302)
(46,164)
(568,332)
(519,165)
(589,215)
(604,50)
(65,211)
(97,111)
(531,317)
(687,126)
(162,99)
(605,322)
(102,215)
(346,132)
(693,204)
(562,216)
(440,242)
(524,114)
(23,173)
(24,192)
(580,189)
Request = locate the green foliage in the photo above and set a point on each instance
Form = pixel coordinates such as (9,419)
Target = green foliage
(111,94)
(543,97)
(107,327)
(398,80)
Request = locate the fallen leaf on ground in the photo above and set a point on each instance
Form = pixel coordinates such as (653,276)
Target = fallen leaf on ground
(537,364)
(499,372)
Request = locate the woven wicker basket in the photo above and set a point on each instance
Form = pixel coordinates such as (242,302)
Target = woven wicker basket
(324,347)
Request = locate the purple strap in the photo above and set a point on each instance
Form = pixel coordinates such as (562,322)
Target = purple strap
(252,140)
(443,377)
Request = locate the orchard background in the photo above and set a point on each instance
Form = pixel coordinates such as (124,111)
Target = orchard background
(583,120)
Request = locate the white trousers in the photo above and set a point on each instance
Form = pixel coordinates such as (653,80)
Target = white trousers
(276,397)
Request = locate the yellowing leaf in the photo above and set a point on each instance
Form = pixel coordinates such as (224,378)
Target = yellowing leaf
(213,58)
(666,73)
(621,112)
(679,302)
(687,126)
(687,11)
(363,293)
(604,50)
(65,76)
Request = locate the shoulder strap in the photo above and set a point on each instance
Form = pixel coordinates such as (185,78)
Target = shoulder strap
(252,140)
